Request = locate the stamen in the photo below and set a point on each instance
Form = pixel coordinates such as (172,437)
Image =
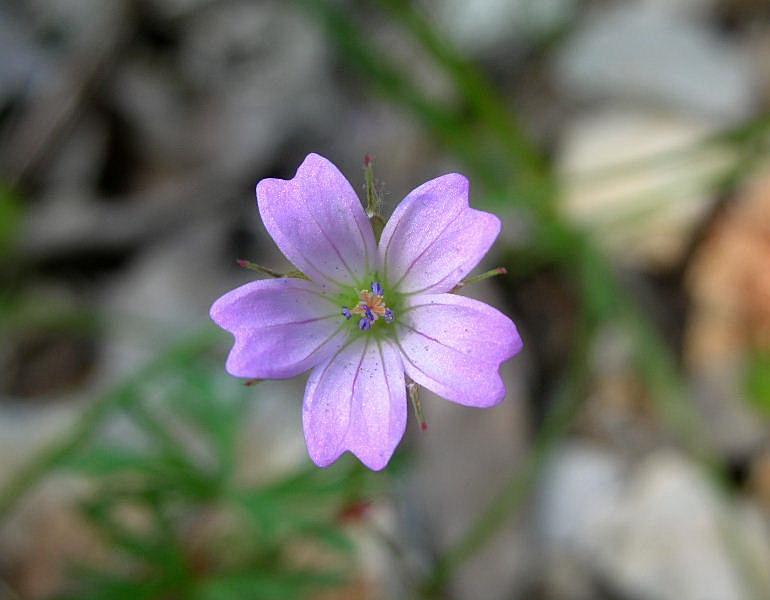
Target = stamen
(371,307)
(368,312)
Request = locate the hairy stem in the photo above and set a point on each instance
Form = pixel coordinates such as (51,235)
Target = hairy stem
(481,277)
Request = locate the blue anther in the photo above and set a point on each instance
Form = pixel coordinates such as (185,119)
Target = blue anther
(364,324)
(388,316)
(346,312)
(368,312)
(377,288)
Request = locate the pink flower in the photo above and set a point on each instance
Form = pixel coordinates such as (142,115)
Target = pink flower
(369,313)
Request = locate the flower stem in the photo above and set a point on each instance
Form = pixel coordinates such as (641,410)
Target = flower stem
(557,422)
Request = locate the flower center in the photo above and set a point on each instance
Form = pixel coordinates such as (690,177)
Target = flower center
(371,307)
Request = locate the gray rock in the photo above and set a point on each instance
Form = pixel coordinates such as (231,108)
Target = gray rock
(641,53)
(271,441)
(732,425)
(171,9)
(44,537)
(151,99)
(582,483)
(26,430)
(673,536)
(76,164)
(166,293)
(480,26)
(24,67)
(642,209)
(661,531)
(72,220)
(262,69)
(686,8)
(78,23)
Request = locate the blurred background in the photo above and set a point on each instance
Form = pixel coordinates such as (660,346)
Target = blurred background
(626,146)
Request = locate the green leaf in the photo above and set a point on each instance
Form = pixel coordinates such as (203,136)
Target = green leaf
(102,461)
(10,216)
(266,585)
(98,585)
(757,382)
(149,548)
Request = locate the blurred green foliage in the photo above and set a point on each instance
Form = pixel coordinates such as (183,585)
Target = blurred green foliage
(10,217)
(170,502)
(757,382)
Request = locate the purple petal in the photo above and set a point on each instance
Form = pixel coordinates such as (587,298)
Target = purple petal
(434,238)
(454,346)
(282,327)
(356,401)
(318,222)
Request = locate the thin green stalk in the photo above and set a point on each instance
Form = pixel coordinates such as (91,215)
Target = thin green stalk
(134,407)
(31,473)
(529,168)
(609,301)
(517,490)
(667,389)
(446,123)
